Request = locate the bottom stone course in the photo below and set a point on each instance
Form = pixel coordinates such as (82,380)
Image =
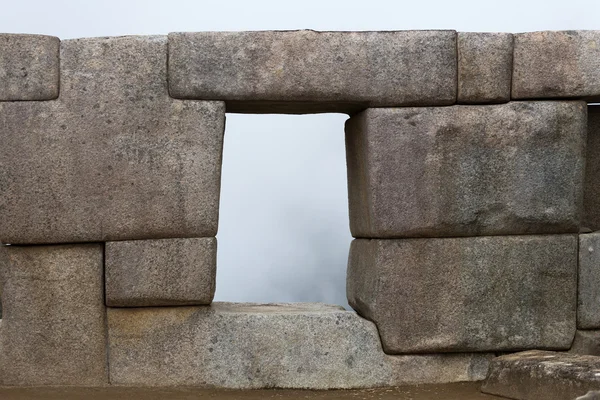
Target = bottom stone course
(250,346)
(53,329)
(535,375)
(494,293)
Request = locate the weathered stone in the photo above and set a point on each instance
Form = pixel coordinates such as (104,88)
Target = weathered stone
(114,158)
(467,294)
(53,330)
(29,67)
(591,194)
(142,273)
(591,395)
(308,71)
(247,346)
(427,172)
(484,67)
(556,64)
(586,342)
(534,375)
(588,303)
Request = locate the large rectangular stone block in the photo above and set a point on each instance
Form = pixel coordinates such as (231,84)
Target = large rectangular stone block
(29,67)
(251,346)
(556,64)
(588,303)
(534,375)
(515,168)
(484,67)
(53,329)
(114,158)
(308,71)
(591,194)
(467,294)
(145,273)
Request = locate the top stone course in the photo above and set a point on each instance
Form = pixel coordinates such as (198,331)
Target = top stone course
(307,71)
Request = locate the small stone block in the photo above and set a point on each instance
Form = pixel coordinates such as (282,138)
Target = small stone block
(308,71)
(556,64)
(588,303)
(484,67)
(514,168)
(147,273)
(254,346)
(586,343)
(535,375)
(53,329)
(494,293)
(29,67)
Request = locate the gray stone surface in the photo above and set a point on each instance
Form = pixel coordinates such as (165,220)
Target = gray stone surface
(588,302)
(29,67)
(114,158)
(143,273)
(307,71)
(53,331)
(591,194)
(587,343)
(427,172)
(484,67)
(535,375)
(467,294)
(556,64)
(247,346)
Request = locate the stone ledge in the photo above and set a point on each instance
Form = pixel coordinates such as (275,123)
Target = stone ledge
(251,346)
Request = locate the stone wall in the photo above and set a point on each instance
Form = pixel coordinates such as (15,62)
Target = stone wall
(473,193)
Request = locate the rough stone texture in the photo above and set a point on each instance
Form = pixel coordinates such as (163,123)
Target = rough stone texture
(29,67)
(53,330)
(591,195)
(114,158)
(534,375)
(247,346)
(467,294)
(586,342)
(558,64)
(591,395)
(588,302)
(308,71)
(484,67)
(426,172)
(142,273)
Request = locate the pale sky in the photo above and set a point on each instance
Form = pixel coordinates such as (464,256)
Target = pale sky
(283,231)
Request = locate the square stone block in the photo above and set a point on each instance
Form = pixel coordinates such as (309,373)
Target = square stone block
(53,329)
(591,193)
(484,67)
(467,294)
(29,67)
(588,304)
(308,71)
(252,346)
(556,64)
(534,375)
(514,168)
(114,157)
(146,273)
